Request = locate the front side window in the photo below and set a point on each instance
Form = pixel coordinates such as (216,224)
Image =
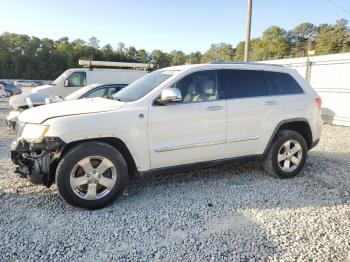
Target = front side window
(199,87)
(282,84)
(100,92)
(105,92)
(77,79)
(242,83)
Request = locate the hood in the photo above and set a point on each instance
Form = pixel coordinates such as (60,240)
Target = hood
(40,89)
(17,100)
(39,114)
(36,99)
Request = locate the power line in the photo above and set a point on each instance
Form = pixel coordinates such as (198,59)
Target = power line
(339,6)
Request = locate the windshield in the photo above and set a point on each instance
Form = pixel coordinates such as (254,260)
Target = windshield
(143,86)
(61,78)
(82,91)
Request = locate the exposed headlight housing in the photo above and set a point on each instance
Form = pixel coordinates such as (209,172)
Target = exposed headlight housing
(34,133)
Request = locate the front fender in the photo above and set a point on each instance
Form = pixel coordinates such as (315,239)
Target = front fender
(131,130)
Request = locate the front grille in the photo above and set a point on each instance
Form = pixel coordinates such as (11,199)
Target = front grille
(19,129)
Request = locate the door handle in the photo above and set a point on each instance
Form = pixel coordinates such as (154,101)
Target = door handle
(271,103)
(214,108)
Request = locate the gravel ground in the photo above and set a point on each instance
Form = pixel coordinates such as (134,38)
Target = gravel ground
(233,212)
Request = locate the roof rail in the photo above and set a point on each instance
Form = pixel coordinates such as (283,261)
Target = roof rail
(243,63)
(92,64)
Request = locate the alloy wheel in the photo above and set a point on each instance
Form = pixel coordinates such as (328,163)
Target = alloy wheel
(93,177)
(289,156)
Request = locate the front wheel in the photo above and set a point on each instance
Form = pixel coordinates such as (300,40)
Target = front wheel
(287,154)
(91,175)
(8,93)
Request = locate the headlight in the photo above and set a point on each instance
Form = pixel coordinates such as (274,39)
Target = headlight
(34,133)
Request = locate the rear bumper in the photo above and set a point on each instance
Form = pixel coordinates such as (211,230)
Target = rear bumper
(314,143)
(316,125)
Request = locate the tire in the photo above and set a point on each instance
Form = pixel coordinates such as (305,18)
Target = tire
(84,187)
(276,160)
(8,93)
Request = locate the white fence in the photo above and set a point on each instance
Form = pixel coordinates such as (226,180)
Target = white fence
(329,75)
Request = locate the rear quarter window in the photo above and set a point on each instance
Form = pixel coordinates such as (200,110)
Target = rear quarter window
(282,84)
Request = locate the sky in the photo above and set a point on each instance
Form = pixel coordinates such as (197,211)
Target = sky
(187,25)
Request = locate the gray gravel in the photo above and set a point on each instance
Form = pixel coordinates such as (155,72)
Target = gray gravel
(233,212)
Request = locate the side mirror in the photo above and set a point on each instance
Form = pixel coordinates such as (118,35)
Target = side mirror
(66,83)
(170,95)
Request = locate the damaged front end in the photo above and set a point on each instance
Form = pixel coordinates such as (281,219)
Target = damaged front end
(36,161)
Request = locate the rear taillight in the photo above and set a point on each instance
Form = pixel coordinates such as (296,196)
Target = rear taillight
(319,103)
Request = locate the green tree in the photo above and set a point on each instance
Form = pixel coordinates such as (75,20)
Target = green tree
(239,52)
(121,51)
(177,57)
(302,38)
(194,58)
(332,39)
(94,43)
(160,59)
(131,54)
(219,52)
(142,56)
(275,44)
(107,52)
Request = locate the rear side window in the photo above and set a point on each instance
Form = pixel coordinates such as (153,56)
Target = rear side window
(242,83)
(282,84)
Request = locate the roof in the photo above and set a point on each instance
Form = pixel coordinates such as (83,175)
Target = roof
(231,65)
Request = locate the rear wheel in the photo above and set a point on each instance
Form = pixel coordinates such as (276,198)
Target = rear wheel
(287,154)
(91,175)
(8,93)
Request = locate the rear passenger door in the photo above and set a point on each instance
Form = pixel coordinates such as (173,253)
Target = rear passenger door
(251,115)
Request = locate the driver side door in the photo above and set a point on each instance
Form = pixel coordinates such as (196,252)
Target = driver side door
(192,130)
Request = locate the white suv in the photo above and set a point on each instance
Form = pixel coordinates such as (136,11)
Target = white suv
(174,118)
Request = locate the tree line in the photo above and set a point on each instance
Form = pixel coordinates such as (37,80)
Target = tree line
(25,57)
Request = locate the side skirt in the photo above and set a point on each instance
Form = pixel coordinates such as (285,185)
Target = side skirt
(194,166)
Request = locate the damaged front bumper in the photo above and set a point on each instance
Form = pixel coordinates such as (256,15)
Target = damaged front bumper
(37,161)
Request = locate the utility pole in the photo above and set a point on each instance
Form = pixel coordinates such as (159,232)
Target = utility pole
(248,29)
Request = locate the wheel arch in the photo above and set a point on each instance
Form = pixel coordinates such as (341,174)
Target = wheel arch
(300,125)
(113,141)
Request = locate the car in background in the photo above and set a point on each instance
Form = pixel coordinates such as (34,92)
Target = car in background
(2,91)
(25,83)
(22,102)
(10,89)
(39,82)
